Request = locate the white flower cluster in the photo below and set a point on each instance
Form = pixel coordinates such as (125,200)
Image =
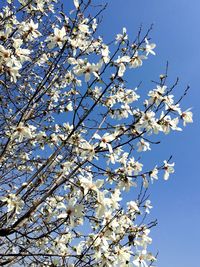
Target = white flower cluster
(73,132)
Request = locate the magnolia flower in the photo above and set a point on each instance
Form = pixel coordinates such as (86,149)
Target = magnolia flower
(84,28)
(57,38)
(168,124)
(69,107)
(13,68)
(145,239)
(121,64)
(5,55)
(110,101)
(136,60)
(94,24)
(127,95)
(123,159)
(105,53)
(154,174)
(143,146)
(112,157)
(133,206)
(100,242)
(76,3)
(70,211)
(5,33)
(149,47)
(115,198)
(123,36)
(123,255)
(19,52)
(61,244)
(156,95)
(13,203)
(87,150)
(140,259)
(168,100)
(135,166)
(126,183)
(102,203)
(125,111)
(186,116)
(42,60)
(66,167)
(86,68)
(22,131)
(145,181)
(88,184)
(169,168)
(30,30)
(172,107)
(80,247)
(105,140)
(148,206)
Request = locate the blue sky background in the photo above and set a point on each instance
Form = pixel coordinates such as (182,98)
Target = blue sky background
(177,35)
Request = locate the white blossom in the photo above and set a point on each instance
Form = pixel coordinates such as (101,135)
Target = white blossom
(186,116)
(149,47)
(168,168)
(13,202)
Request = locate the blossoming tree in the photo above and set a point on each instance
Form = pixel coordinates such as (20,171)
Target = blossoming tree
(71,130)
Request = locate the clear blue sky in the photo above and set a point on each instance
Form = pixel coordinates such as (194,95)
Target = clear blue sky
(177,201)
